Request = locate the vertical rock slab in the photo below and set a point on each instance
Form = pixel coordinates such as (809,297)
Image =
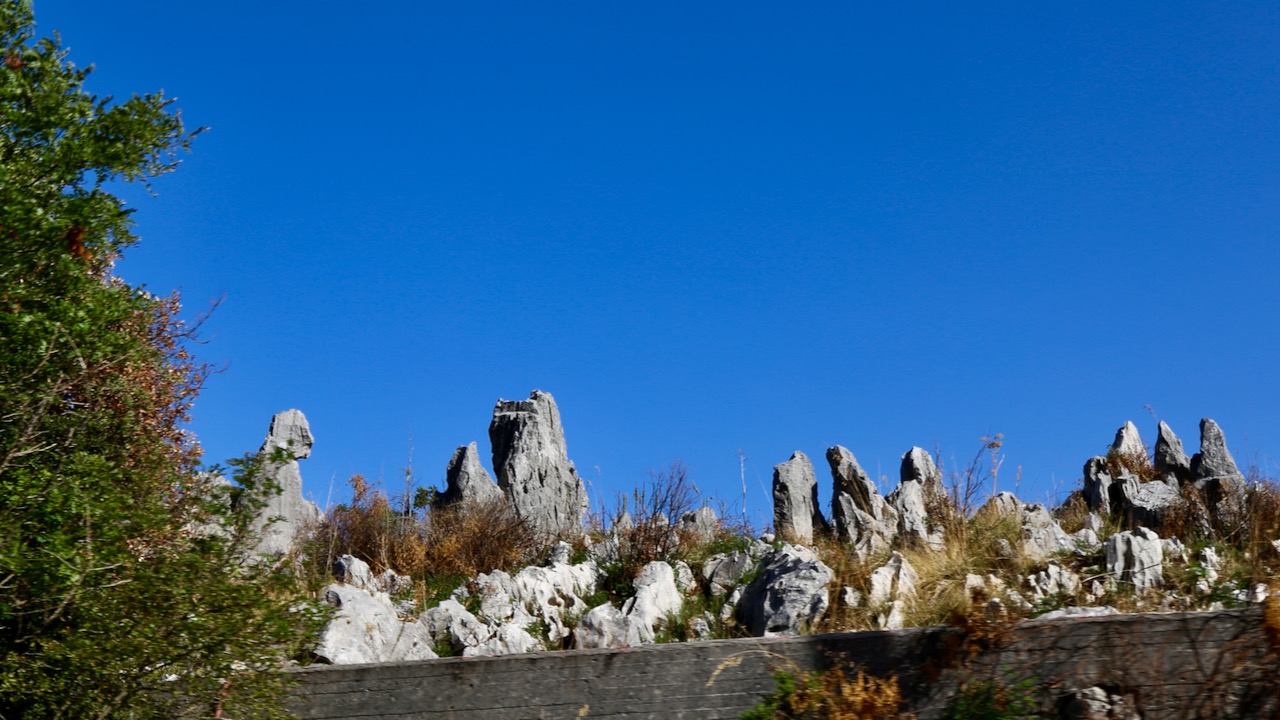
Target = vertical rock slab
(1213,460)
(796,514)
(288,511)
(466,480)
(1097,485)
(533,467)
(1171,462)
(919,487)
(1217,477)
(859,515)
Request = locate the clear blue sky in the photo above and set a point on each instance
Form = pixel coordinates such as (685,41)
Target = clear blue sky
(712,227)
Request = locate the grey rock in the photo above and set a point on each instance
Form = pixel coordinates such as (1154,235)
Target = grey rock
(1097,485)
(1041,534)
(701,525)
(533,467)
(918,466)
(1129,443)
(606,627)
(895,580)
(354,571)
(1054,580)
(1002,504)
(1171,461)
(796,515)
(1217,477)
(685,581)
(287,512)
(788,595)
(1136,557)
(860,516)
(1146,503)
(507,639)
(910,501)
(1095,703)
(1213,460)
(451,622)
(723,571)
(466,480)
(656,598)
(365,629)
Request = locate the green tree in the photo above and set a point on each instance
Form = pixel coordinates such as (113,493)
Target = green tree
(124,589)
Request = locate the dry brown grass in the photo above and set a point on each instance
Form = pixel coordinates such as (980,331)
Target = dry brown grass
(832,694)
(461,540)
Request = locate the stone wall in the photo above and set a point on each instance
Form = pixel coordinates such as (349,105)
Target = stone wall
(1184,665)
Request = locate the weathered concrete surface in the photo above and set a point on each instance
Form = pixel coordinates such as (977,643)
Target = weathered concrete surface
(1178,665)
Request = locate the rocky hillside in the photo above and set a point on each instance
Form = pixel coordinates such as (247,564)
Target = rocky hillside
(487,568)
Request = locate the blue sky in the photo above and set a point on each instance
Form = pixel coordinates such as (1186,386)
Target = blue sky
(705,229)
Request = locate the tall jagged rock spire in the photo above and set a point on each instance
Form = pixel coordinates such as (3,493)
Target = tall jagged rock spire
(533,467)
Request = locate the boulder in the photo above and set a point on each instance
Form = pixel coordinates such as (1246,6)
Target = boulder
(1096,703)
(1146,503)
(466,480)
(1002,504)
(1054,580)
(1042,536)
(796,515)
(366,629)
(895,580)
(656,598)
(700,526)
(1136,557)
(533,467)
(287,512)
(1171,462)
(860,516)
(607,627)
(788,595)
(723,571)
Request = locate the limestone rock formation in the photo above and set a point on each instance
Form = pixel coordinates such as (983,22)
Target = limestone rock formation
(1136,557)
(606,626)
(860,516)
(796,515)
(365,628)
(1128,442)
(919,488)
(1216,475)
(656,598)
(788,595)
(466,480)
(1171,462)
(723,571)
(288,511)
(533,467)
(1214,460)
(1041,534)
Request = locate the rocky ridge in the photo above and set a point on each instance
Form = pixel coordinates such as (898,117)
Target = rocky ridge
(1120,544)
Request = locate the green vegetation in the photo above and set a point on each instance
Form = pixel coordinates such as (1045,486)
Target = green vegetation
(124,586)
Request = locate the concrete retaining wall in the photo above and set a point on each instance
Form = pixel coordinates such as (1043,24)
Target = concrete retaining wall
(1183,665)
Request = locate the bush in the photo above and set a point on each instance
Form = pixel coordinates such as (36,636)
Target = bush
(829,695)
(124,590)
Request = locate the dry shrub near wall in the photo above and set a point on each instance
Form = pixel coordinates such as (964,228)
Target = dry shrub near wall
(832,694)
